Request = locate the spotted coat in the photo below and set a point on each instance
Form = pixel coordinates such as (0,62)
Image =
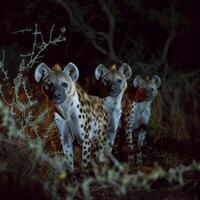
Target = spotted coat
(115,80)
(136,113)
(79,117)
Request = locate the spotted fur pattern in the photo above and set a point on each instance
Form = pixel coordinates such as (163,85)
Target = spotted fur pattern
(79,117)
(115,80)
(136,114)
(87,123)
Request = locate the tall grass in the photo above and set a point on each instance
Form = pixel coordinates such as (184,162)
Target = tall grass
(175,113)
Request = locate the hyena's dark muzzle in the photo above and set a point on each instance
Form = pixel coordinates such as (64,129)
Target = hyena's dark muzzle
(56,94)
(114,89)
(149,94)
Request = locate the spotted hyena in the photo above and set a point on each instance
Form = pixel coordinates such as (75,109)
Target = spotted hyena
(115,80)
(136,114)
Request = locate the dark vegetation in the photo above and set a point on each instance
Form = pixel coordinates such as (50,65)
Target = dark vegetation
(153,37)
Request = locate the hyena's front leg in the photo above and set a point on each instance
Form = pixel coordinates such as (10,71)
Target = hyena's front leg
(101,147)
(111,138)
(65,141)
(131,146)
(112,129)
(141,135)
(68,151)
(140,142)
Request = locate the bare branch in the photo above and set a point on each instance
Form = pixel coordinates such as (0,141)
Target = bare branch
(111,19)
(126,39)
(102,34)
(166,47)
(172,33)
(110,34)
(99,48)
(91,33)
(39,45)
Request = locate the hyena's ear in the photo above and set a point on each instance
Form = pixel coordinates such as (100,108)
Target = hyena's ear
(41,71)
(72,70)
(156,79)
(100,71)
(137,81)
(126,70)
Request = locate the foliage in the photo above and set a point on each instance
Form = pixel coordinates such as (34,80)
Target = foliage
(51,173)
(175,114)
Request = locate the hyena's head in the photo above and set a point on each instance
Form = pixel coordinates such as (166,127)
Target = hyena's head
(57,84)
(147,87)
(115,80)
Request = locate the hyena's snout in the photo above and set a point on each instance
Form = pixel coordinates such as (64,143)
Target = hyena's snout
(148,94)
(56,95)
(115,90)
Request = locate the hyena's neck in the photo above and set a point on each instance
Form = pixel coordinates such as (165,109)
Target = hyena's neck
(135,95)
(143,105)
(69,106)
(113,102)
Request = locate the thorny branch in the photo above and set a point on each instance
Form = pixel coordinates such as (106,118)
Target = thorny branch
(5,74)
(19,83)
(39,45)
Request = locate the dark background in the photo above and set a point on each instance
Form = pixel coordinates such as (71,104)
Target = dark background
(133,21)
(156,36)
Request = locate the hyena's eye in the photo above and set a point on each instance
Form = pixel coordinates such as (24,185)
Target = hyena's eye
(48,84)
(151,89)
(64,84)
(119,80)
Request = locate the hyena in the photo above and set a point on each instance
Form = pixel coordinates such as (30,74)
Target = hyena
(136,114)
(116,83)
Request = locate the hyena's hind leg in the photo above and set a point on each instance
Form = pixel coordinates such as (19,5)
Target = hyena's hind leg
(86,154)
(101,148)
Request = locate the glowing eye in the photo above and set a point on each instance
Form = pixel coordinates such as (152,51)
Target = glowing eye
(119,80)
(65,85)
(151,89)
(48,84)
